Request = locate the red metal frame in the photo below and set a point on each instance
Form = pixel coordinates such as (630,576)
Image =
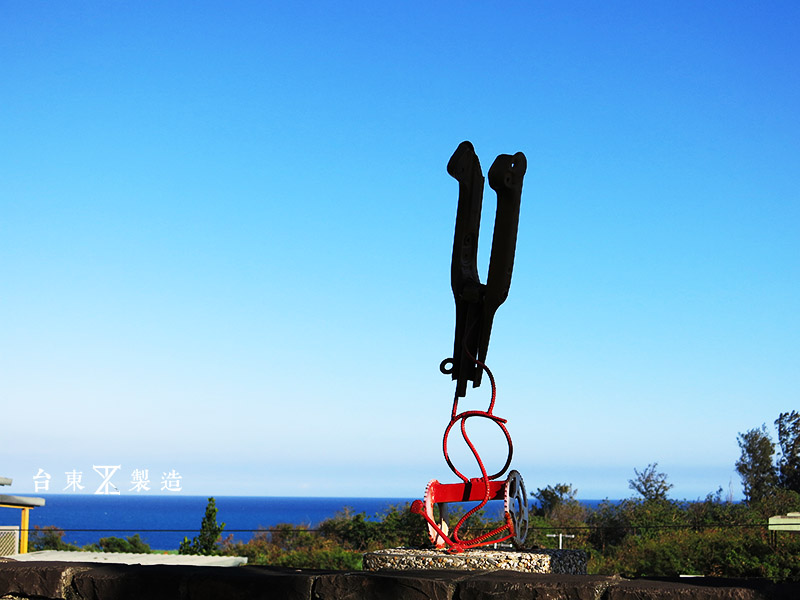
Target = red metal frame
(478,489)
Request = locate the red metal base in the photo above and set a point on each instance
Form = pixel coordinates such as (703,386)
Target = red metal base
(511,491)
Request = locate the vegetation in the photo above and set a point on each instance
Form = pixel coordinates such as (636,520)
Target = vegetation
(338,543)
(634,537)
(52,538)
(649,484)
(764,476)
(710,537)
(648,534)
(788,466)
(133,544)
(754,466)
(210,533)
(48,537)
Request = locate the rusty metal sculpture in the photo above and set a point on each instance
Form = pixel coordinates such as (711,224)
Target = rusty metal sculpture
(476,304)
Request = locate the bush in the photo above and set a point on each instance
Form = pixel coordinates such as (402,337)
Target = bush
(326,558)
(48,537)
(134,544)
(338,543)
(739,552)
(395,527)
(293,546)
(612,523)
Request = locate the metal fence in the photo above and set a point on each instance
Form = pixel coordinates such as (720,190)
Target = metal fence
(9,540)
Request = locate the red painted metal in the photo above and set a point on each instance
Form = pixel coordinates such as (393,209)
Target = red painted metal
(477,489)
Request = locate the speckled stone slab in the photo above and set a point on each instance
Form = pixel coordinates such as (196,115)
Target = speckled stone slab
(568,562)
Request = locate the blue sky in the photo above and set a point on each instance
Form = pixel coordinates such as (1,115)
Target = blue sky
(226,234)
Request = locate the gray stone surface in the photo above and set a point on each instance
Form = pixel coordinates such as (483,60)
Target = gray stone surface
(568,562)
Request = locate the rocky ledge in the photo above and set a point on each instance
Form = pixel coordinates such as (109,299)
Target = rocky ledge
(566,562)
(85,581)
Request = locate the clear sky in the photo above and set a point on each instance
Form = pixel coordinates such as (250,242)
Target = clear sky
(226,231)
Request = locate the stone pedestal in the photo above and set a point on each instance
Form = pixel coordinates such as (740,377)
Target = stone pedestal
(567,562)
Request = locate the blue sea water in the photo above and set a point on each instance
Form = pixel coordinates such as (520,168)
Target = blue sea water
(163,521)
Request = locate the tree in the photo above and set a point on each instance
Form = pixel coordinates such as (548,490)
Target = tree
(553,496)
(788,425)
(754,466)
(210,534)
(556,510)
(649,484)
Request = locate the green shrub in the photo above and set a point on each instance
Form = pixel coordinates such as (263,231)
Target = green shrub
(134,544)
(48,537)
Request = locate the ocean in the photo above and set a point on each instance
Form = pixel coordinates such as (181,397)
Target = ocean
(163,521)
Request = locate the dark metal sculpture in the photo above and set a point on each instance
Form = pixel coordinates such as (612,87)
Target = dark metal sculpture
(476,304)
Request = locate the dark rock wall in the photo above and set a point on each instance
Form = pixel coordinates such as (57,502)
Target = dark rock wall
(85,581)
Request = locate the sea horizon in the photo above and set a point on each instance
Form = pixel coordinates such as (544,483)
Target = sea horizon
(162,521)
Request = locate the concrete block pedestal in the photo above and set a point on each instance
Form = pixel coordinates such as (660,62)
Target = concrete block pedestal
(565,562)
